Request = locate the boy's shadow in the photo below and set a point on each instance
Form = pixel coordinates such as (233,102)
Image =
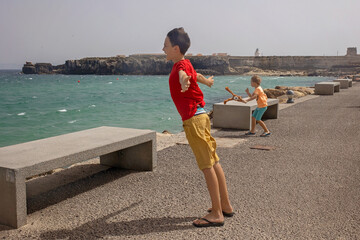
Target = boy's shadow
(230,133)
(101,227)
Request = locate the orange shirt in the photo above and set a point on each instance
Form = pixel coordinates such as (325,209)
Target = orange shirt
(261,97)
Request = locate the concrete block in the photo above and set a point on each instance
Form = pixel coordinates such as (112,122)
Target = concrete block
(120,147)
(237,115)
(13,198)
(327,88)
(139,157)
(344,83)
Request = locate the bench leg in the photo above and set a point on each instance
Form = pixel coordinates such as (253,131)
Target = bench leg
(271,112)
(141,157)
(13,198)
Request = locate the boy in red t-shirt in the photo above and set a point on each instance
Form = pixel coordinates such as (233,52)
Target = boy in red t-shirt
(189,101)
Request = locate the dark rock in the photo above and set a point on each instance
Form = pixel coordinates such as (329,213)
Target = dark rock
(29,68)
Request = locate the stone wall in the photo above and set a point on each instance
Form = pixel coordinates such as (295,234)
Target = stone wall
(309,64)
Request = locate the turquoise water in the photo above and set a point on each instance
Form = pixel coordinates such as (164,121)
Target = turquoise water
(40,106)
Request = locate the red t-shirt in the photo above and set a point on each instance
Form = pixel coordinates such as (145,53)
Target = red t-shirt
(186,102)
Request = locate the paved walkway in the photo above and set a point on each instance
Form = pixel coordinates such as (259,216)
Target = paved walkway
(308,187)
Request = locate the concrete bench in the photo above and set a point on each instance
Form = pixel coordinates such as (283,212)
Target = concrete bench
(237,115)
(327,88)
(344,83)
(118,147)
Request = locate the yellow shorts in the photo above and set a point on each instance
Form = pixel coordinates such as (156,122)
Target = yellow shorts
(197,130)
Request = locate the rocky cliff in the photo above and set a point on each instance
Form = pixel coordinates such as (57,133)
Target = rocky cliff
(209,65)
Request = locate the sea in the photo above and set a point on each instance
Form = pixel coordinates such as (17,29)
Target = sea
(39,106)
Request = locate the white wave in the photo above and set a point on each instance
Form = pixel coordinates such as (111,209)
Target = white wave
(73,121)
(21,114)
(30,78)
(34,96)
(62,110)
(92,106)
(109,82)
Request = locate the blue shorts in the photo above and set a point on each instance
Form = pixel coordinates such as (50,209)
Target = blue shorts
(258,113)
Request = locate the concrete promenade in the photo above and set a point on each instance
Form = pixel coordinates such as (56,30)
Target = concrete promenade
(307,187)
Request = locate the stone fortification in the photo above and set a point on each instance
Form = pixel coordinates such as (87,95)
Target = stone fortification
(209,65)
(301,65)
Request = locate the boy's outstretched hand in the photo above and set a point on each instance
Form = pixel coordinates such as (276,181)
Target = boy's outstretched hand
(184,81)
(210,81)
(206,81)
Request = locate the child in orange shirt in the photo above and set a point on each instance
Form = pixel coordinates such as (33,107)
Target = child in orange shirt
(261,100)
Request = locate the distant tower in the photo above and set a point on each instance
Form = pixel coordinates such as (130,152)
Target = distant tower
(257,53)
(351,51)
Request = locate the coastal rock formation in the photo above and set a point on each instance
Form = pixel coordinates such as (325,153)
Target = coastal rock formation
(208,65)
(144,65)
(29,68)
(119,65)
(212,65)
(41,68)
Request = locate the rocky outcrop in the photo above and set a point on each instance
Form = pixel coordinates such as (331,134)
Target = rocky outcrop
(280,92)
(29,68)
(42,68)
(208,65)
(212,65)
(119,66)
(134,65)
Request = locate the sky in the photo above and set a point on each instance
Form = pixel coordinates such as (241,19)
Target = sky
(55,31)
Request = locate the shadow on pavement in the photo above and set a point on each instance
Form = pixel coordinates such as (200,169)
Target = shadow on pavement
(102,227)
(73,189)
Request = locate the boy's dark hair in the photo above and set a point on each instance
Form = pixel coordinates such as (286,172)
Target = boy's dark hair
(179,37)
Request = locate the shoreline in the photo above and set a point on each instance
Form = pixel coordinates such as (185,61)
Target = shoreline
(255,71)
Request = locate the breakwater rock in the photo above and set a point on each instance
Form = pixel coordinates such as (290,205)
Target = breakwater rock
(279,92)
(208,65)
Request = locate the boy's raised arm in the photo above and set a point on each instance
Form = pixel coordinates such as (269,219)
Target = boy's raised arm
(248,92)
(206,81)
(252,97)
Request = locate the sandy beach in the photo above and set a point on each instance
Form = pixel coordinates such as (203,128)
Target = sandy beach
(307,187)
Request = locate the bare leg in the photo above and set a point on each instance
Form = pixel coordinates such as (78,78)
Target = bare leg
(224,195)
(253,125)
(262,124)
(213,186)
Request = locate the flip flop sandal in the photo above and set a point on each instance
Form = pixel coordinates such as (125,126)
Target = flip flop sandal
(265,134)
(249,133)
(226,214)
(208,223)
